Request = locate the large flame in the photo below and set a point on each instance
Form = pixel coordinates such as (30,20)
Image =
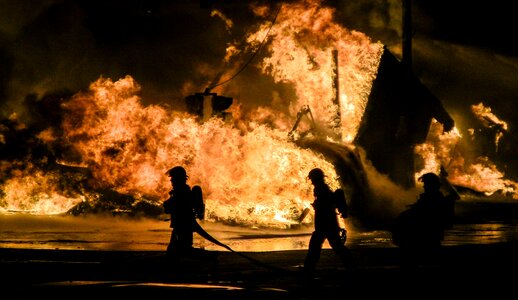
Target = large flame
(30,189)
(253,177)
(479,174)
(248,169)
(301,43)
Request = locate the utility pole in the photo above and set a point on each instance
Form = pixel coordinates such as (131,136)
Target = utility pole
(336,99)
(407,34)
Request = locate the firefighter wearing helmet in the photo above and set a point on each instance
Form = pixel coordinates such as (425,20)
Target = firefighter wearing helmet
(326,223)
(419,230)
(184,205)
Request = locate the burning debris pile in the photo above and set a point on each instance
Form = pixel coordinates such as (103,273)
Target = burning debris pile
(41,173)
(102,150)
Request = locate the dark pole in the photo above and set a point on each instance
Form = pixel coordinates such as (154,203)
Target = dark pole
(407,34)
(336,98)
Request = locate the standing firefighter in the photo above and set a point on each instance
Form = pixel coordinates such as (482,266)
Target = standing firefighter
(184,205)
(327,227)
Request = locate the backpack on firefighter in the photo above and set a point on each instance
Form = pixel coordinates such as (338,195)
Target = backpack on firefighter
(341,203)
(198,205)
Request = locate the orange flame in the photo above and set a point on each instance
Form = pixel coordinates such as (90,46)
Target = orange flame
(300,52)
(482,175)
(489,120)
(38,192)
(256,177)
(250,172)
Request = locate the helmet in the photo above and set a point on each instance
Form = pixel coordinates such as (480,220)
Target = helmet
(177,172)
(316,174)
(430,179)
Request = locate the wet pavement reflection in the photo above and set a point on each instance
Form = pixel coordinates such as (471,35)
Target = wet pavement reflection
(96,233)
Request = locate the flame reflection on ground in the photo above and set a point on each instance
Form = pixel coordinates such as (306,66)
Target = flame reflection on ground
(110,233)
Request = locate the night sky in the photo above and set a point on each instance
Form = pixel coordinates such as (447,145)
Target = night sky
(463,51)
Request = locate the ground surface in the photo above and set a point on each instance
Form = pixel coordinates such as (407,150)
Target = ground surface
(467,271)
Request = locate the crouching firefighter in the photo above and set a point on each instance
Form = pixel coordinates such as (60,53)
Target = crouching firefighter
(185,205)
(327,227)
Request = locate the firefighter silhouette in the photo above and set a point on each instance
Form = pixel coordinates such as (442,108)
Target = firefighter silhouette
(184,205)
(419,230)
(327,227)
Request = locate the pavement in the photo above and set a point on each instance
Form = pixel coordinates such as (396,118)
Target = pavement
(457,271)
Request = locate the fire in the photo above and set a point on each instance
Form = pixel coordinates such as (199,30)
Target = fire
(33,190)
(479,174)
(439,149)
(489,120)
(254,177)
(249,170)
(300,48)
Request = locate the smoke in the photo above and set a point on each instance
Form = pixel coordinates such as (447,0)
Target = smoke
(462,60)
(56,45)
(477,76)
(47,47)
(380,19)
(462,52)
(374,200)
(392,198)
(486,76)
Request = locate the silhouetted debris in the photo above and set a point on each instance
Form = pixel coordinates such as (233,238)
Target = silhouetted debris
(110,202)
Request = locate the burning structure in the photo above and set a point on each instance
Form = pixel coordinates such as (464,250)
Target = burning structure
(103,149)
(397,118)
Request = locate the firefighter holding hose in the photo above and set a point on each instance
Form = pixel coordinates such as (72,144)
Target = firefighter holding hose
(185,205)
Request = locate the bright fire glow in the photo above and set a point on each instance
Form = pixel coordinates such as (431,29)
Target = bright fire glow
(30,189)
(250,173)
(481,174)
(300,52)
(256,177)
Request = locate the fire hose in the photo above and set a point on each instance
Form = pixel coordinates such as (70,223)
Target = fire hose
(199,230)
(203,233)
